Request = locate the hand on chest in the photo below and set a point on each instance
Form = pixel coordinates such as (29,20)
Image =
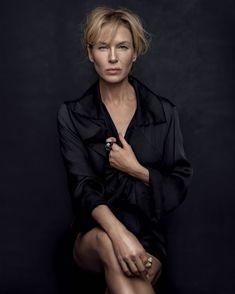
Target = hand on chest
(146,142)
(141,121)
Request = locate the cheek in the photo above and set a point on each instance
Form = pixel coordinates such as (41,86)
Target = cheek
(99,60)
(127,59)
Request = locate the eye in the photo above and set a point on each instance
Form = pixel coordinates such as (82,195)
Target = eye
(123,47)
(102,47)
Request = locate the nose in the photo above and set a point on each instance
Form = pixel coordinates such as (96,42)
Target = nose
(113,55)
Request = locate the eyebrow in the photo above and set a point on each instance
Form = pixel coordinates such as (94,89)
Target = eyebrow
(120,43)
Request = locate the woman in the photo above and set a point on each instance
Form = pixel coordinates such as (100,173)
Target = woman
(123,150)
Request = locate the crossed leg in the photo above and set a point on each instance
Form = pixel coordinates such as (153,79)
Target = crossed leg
(94,252)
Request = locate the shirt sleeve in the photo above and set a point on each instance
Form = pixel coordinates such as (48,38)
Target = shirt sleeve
(169,183)
(84,184)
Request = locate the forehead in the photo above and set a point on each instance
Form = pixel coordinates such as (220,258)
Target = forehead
(111,34)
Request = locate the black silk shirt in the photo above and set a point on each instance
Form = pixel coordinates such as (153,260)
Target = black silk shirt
(156,139)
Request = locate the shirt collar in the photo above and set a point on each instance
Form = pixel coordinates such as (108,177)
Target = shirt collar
(149,105)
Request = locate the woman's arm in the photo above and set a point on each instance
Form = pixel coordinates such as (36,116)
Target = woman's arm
(88,196)
(128,250)
(125,160)
(141,173)
(169,183)
(85,185)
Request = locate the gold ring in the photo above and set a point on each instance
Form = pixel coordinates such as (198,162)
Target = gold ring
(149,262)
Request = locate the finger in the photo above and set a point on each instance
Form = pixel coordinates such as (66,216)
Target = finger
(108,146)
(115,147)
(153,273)
(144,260)
(140,266)
(132,266)
(111,139)
(148,262)
(144,257)
(125,268)
(123,140)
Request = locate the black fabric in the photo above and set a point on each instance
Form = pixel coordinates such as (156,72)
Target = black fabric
(155,136)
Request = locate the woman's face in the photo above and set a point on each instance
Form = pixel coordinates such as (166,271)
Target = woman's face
(113,59)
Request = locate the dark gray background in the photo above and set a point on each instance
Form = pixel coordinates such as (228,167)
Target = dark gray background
(191,62)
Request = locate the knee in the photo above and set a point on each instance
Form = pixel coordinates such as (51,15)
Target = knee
(75,251)
(103,241)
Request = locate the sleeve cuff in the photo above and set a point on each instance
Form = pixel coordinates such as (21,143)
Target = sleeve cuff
(94,204)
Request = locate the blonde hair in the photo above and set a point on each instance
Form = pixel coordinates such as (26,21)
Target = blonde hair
(102,15)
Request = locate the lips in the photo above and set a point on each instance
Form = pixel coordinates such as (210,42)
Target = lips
(113,71)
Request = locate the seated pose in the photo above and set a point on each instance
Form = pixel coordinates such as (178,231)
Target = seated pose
(123,151)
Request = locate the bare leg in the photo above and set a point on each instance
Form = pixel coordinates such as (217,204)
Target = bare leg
(94,252)
(138,285)
(85,252)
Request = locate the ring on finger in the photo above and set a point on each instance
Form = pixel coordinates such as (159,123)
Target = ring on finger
(149,262)
(108,146)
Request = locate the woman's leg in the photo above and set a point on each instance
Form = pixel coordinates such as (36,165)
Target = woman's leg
(94,252)
(144,284)
(153,275)
(85,252)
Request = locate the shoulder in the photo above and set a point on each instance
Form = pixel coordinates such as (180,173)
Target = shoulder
(155,99)
(168,106)
(74,105)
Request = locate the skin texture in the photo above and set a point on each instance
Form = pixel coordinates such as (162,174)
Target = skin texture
(113,249)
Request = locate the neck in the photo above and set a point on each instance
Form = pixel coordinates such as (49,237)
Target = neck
(115,92)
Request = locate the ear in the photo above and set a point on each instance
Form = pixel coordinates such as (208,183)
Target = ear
(90,55)
(134,57)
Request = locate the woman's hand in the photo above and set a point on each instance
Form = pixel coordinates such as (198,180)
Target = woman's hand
(124,158)
(129,252)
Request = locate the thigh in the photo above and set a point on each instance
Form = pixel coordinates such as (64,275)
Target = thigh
(85,251)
